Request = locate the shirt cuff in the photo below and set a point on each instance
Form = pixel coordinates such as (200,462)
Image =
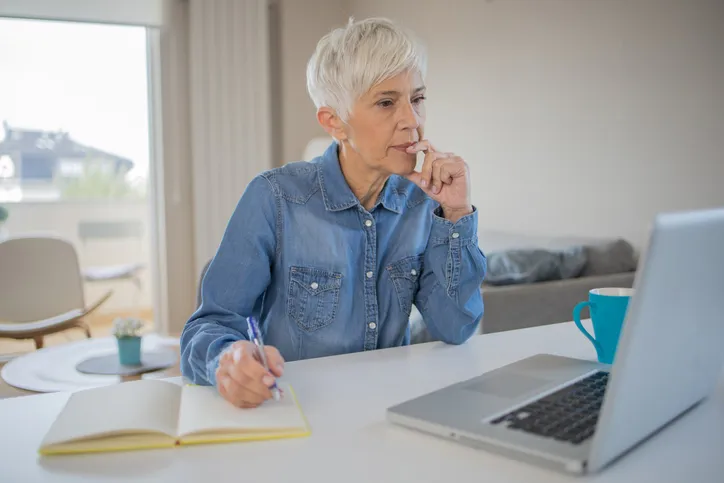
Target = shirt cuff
(464,231)
(213,364)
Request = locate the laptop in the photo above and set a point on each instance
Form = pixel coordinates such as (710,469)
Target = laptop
(578,416)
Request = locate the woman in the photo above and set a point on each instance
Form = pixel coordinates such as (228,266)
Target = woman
(330,255)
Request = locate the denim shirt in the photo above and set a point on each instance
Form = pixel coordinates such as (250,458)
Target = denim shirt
(324,276)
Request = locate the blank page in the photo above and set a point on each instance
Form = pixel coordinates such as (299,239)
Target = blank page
(143,406)
(204,410)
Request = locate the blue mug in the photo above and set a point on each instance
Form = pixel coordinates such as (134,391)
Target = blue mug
(608,311)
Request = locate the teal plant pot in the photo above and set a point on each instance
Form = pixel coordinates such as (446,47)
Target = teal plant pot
(129,351)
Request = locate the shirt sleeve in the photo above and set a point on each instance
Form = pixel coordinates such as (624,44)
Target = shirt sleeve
(234,283)
(449,297)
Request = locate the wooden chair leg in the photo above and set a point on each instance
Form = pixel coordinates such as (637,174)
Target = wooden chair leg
(85,328)
(39,342)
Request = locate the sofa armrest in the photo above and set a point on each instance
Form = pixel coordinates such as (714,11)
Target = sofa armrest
(520,306)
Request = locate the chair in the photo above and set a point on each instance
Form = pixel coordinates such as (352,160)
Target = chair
(88,230)
(41,290)
(201,279)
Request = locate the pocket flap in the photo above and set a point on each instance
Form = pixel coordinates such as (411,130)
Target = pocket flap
(409,268)
(315,280)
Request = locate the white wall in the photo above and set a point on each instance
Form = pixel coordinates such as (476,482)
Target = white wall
(577,117)
(302,24)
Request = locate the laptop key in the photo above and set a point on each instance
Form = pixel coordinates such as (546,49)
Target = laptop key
(568,415)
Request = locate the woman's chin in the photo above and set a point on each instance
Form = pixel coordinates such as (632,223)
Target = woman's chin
(403,164)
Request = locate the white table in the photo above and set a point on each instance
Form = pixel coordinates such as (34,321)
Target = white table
(53,369)
(345,399)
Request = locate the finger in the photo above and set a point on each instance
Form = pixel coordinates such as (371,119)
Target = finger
(423,145)
(452,169)
(231,382)
(248,405)
(229,389)
(222,384)
(248,373)
(260,378)
(444,176)
(434,160)
(436,175)
(275,360)
(240,395)
(427,168)
(241,392)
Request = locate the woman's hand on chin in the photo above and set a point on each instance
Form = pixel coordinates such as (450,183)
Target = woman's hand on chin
(445,178)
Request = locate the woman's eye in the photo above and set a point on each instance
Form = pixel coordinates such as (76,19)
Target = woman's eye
(385,103)
(418,100)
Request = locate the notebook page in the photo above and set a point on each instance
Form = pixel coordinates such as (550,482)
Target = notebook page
(145,405)
(204,410)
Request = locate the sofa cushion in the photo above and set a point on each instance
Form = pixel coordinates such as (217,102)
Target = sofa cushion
(492,241)
(605,258)
(518,266)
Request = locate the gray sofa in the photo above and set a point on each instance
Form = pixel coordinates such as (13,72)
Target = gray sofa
(548,276)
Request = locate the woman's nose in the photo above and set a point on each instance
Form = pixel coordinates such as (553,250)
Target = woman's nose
(408,117)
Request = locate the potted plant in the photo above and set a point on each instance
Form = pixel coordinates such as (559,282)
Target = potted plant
(128,334)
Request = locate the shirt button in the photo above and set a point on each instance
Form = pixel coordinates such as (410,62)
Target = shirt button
(455,235)
(368,223)
(369,274)
(413,272)
(372,325)
(314,285)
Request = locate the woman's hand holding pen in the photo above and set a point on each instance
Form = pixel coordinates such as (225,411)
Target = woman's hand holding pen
(241,378)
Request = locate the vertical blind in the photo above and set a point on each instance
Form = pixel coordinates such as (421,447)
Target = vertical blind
(230,110)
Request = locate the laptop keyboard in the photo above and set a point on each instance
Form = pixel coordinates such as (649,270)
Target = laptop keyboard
(569,414)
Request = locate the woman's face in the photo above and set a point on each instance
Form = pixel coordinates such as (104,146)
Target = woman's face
(385,121)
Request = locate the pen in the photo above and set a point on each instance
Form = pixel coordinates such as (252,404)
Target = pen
(255,337)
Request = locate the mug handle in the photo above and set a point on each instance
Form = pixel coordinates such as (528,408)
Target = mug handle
(577,319)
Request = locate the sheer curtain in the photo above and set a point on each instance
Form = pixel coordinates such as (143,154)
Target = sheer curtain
(230,110)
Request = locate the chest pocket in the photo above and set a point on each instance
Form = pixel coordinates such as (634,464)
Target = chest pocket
(313,297)
(405,275)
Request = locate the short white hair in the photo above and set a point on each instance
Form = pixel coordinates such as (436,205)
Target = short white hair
(349,61)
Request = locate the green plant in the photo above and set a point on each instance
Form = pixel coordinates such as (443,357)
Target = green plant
(3,214)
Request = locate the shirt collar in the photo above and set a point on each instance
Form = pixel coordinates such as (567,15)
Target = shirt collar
(337,193)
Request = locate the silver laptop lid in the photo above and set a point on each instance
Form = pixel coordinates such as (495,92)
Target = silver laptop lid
(672,343)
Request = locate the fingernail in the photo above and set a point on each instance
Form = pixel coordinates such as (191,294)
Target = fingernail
(225,383)
(268,381)
(280,367)
(237,355)
(435,189)
(423,183)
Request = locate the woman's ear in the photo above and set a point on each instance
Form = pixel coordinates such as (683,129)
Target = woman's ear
(330,122)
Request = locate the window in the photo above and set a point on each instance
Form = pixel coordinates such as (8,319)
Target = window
(74,108)
(74,149)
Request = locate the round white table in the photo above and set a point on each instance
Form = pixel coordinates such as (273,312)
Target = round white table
(53,368)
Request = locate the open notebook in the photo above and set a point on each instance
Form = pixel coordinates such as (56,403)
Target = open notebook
(156,414)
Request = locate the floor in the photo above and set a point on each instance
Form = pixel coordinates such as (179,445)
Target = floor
(100,326)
